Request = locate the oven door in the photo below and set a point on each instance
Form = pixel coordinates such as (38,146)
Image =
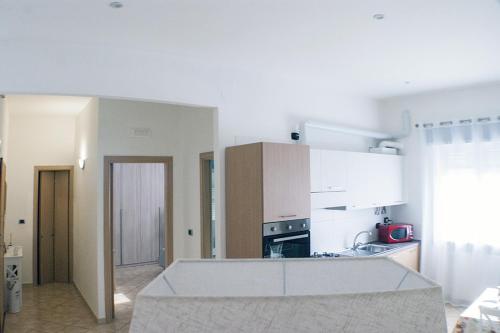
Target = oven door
(289,245)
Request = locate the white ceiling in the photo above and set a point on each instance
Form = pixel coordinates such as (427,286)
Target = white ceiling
(46,105)
(432,43)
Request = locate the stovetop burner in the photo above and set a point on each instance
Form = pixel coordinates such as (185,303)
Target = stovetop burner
(324,255)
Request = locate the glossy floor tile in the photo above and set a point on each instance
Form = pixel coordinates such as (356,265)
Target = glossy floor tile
(58,307)
(452,315)
(129,281)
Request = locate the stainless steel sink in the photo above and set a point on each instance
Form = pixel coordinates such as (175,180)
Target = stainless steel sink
(365,250)
(373,248)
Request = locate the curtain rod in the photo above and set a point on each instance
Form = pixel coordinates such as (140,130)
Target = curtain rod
(459,122)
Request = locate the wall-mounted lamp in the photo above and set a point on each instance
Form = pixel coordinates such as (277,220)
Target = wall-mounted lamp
(81,163)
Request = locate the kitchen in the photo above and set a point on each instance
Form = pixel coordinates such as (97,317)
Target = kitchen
(277,192)
(327,213)
(329,79)
(272,192)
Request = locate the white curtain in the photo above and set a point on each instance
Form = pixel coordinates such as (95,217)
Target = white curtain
(461,208)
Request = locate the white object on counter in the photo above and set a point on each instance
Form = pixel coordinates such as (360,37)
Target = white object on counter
(13,279)
(289,295)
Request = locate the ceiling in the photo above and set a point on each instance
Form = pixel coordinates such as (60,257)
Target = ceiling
(420,45)
(46,105)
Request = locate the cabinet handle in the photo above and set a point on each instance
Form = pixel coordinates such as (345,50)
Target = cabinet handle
(293,215)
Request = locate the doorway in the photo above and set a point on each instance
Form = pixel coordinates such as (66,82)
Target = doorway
(52,225)
(138,227)
(207,200)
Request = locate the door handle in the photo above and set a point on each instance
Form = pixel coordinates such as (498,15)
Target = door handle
(283,239)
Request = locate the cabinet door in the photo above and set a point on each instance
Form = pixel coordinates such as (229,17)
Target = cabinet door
(364,180)
(409,258)
(286,182)
(316,170)
(333,171)
(393,171)
(375,180)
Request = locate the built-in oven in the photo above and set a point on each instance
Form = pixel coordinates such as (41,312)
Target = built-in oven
(286,239)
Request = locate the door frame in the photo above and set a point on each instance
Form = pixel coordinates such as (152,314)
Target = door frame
(205,218)
(36,198)
(109,280)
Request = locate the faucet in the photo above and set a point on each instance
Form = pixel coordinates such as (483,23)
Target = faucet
(355,243)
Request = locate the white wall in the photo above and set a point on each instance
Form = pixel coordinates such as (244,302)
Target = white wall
(4,127)
(249,104)
(455,104)
(34,140)
(177,131)
(85,231)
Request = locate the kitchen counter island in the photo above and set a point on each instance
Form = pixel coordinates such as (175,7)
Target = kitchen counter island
(366,294)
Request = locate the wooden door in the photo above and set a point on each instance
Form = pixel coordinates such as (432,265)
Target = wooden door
(3,199)
(286,182)
(207,205)
(151,187)
(53,227)
(61,226)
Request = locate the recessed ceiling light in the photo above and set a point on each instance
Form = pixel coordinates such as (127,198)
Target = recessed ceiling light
(115,4)
(378,16)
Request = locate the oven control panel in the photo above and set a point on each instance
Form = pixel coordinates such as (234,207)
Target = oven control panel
(284,227)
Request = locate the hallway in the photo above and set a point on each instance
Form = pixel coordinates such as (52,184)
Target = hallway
(58,307)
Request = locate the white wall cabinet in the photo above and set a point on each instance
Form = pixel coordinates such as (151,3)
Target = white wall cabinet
(362,180)
(328,170)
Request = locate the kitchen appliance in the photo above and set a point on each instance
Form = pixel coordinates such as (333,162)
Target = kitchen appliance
(395,232)
(286,239)
(325,255)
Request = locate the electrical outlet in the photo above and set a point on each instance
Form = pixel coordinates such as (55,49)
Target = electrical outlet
(190,232)
(22,222)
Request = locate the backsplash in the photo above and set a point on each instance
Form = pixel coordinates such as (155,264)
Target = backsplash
(332,230)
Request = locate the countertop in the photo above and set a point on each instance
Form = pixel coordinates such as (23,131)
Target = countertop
(395,247)
(289,295)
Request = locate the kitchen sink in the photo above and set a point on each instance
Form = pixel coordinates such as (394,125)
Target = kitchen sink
(373,248)
(365,250)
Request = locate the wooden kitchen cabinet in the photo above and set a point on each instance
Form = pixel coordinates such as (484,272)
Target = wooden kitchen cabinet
(408,257)
(286,184)
(265,182)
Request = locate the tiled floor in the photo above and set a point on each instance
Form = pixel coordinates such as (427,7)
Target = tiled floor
(59,308)
(452,314)
(129,281)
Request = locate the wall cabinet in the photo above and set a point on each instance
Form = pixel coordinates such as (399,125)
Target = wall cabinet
(265,182)
(408,257)
(366,179)
(328,170)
